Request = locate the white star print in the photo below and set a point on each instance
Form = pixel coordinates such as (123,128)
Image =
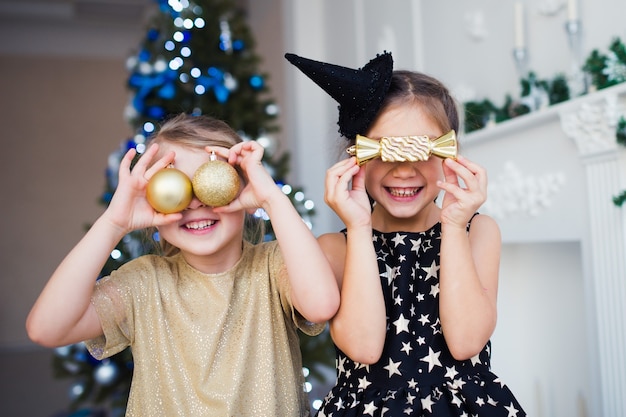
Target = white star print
(427,403)
(410,398)
(458,383)
(406,348)
(412,383)
(475,359)
(339,404)
(480,401)
(392,368)
(436,326)
(354,403)
(512,410)
(424,319)
(421,340)
(434,290)
(391,395)
(432,359)
(390,273)
(364,383)
(431,271)
(398,239)
(340,365)
(456,400)
(491,401)
(362,365)
(416,245)
(370,408)
(398,300)
(420,297)
(451,372)
(402,324)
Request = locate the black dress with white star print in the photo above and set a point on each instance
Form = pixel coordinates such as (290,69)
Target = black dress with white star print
(416,374)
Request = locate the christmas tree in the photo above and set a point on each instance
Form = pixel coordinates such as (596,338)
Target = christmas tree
(197,57)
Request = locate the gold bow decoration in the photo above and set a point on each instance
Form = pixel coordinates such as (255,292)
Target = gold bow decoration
(403,148)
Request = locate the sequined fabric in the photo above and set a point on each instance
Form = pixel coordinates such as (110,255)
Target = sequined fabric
(416,374)
(206,344)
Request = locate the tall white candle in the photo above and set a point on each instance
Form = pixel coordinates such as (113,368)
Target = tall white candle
(519,25)
(572,9)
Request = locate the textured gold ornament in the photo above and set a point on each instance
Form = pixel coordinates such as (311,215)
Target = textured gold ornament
(169,191)
(403,148)
(216,183)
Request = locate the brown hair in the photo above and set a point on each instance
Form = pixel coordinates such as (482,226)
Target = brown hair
(197,132)
(414,87)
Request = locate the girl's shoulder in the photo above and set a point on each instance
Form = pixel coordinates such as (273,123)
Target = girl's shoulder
(482,222)
(333,239)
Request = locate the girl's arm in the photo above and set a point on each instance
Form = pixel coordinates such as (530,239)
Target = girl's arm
(358,328)
(63,313)
(314,291)
(469,262)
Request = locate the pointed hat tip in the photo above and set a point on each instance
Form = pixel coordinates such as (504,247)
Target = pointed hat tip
(359,92)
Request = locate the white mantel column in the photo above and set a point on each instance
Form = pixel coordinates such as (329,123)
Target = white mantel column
(592,126)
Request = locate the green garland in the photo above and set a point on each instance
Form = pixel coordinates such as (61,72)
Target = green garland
(603,70)
(620,137)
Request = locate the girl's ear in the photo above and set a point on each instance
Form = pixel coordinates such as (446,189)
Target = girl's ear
(251,211)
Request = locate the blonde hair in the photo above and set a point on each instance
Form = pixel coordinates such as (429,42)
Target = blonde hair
(197,132)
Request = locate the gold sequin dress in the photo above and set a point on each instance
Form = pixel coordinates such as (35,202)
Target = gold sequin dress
(206,344)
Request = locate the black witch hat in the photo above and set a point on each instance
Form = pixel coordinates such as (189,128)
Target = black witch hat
(359,92)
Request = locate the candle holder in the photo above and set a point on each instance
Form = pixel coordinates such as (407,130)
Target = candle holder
(577,79)
(520,56)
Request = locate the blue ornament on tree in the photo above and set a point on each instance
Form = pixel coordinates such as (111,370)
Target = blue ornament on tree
(106,373)
(256,82)
(144,55)
(155,112)
(152,35)
(238,45)
(76,390)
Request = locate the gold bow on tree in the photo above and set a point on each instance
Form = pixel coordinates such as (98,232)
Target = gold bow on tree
(403,148)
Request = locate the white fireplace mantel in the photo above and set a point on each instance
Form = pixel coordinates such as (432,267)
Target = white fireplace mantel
(553,174)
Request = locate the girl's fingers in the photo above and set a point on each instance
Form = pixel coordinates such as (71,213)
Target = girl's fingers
(127,159)
(145,159)
(163,162)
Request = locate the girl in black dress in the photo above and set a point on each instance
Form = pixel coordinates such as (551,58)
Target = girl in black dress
(418,279)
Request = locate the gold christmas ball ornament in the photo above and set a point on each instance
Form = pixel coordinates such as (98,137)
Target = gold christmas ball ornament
(216,183)
(169,191)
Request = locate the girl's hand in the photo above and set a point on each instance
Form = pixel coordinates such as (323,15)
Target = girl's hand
(129,209)
(461,202)
(352,205)
(259,186)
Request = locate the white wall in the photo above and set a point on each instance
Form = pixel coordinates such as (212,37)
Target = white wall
(540,346)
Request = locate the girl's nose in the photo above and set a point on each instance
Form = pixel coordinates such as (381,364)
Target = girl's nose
(404,169)
(195,203)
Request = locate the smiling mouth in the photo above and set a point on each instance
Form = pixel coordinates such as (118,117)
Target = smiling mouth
(403,192)
(203,224)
